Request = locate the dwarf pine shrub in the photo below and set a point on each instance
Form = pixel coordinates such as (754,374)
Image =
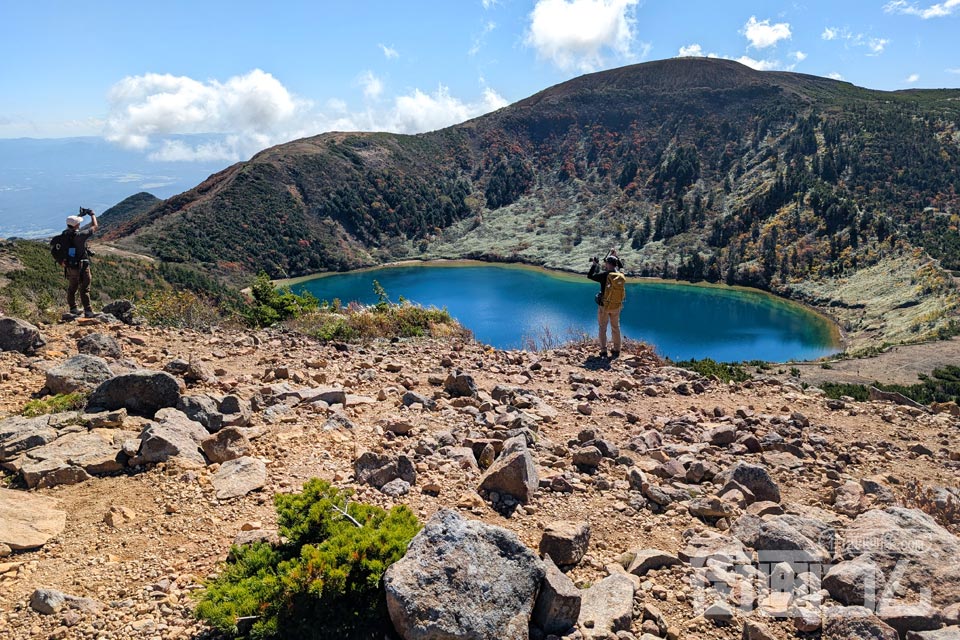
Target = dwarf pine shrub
(324,581)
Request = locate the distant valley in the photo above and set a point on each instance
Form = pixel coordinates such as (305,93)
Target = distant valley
(44,180)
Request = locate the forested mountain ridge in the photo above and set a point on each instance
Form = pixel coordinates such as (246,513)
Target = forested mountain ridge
(695,168)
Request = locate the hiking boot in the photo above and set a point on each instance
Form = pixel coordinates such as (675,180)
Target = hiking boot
(89,314)
(614,355)
(603,353)
(74,311)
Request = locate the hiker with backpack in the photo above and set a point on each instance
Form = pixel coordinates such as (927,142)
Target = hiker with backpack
(610,299)
(69,249)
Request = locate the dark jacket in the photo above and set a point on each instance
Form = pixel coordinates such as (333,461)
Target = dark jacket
(79,243)
(597,274)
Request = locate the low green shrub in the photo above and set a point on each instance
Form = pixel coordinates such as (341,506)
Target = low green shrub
(726,371)
(272,305)
(54,404)
(323,582)
(836,390)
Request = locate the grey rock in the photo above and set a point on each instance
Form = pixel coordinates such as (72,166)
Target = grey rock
(412,397)
(226,444)
(337,421)
(142,392)
(173,435)
(924,555)
(235,410)
(645,560)
(238,477)
(330,395)
(124,311)
(565,542)
(754,477)
(716,547)
(79,373)
(51,601)
(722,436)
(719,612)
(909,616)
(97,452)
(607,607)
(202,409)
(753,630)
(558,603)
(377,469)
(100,345)
(855,623)
(27,520)
(19,434)
(514,474)
(855,582)
(51,473)
(396,488)
(460,385)
(463,579)
(588,457)
(782,539)
(21,336)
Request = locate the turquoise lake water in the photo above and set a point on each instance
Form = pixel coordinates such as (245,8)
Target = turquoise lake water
(507,306)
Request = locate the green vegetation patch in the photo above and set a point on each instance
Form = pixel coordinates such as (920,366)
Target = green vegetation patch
(943,385)
(54,404)
(323,582)
(725,371)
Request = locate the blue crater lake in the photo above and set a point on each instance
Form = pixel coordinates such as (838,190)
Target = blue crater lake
(508,306)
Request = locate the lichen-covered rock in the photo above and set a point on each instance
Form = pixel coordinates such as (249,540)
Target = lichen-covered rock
(80,373)
(463,579)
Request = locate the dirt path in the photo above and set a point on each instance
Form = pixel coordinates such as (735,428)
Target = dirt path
(900,365)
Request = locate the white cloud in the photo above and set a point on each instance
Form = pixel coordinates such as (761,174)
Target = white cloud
(762,34)
(577,34)
(955,70)
(834,75)
(695,50)
(479,41)
(489,4)
(691,51)
(372,85)
(799,56)
(939,10)
(759,65)
(912,78)
(419,111)
(256,107)
(389,52)
(874,44)
(248,113)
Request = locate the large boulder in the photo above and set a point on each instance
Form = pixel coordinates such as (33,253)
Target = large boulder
(856,623)
(28,521)
(513,474)
(19,434)
(226,444)
(463,579)
(924,556)
(202,409)
(79,373)
(173,435)
(142,392)
(607,607)
(18,335)
(558,604)
(239,477)
(565,541)
(378,469)
(754,477)
(123,310)
(100,344)
(97,452)
(855,582)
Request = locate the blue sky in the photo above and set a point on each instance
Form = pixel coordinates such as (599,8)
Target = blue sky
(259,73)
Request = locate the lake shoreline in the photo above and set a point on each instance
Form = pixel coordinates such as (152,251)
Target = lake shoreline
(837,335)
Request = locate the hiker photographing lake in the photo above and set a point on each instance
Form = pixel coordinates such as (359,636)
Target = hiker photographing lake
(610,299)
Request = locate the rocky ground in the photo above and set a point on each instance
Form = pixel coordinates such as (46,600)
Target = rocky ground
(645,454)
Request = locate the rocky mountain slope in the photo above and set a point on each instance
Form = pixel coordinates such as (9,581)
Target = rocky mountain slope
(695,168)
(689,487)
